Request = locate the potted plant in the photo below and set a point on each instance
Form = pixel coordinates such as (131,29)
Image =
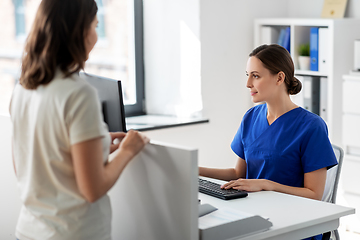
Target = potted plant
(304,56)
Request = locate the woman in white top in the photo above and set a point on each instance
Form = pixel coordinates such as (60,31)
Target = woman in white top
(60,142)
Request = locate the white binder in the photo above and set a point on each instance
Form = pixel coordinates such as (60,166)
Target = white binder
(323,98)
(268,35)
(323,49)
(311,94)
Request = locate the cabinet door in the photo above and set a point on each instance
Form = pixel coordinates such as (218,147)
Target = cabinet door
(351,130)
(351,91)
(350,174)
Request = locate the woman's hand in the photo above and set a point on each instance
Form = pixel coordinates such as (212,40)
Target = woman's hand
(115,144)
(132,143)
(249,185)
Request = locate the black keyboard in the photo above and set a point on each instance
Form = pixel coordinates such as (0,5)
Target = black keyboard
(213,189)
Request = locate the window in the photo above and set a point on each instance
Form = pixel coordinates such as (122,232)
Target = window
(101,18)
(118,53)
(19,18)
(12,24)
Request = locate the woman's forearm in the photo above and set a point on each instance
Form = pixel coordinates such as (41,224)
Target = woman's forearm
(314,184)
(226,174)
(297,191)
(93,177)
(217,173)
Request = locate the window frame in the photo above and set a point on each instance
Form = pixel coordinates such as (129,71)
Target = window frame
(101,25)
(19,15)
(139,107)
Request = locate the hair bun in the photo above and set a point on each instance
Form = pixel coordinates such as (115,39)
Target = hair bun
(296,86)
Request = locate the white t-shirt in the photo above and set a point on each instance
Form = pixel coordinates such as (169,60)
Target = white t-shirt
(47,121)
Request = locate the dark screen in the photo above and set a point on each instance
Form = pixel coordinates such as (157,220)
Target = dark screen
(111,97)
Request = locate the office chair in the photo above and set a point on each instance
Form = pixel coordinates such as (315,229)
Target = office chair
(331,186)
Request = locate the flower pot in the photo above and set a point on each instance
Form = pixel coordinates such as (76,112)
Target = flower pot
(304,62)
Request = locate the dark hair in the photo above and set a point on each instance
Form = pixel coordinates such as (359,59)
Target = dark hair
(56,40)
(276,59)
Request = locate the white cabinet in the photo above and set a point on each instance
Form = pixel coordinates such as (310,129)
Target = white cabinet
(350,177)
(339,48)
(351,116)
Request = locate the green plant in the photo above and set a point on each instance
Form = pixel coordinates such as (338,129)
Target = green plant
(304,49)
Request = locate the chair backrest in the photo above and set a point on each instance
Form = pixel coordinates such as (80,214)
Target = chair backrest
(332,177)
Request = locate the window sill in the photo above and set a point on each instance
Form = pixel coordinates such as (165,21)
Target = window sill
(154,122)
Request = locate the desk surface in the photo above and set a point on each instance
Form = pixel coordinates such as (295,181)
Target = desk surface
(292,217)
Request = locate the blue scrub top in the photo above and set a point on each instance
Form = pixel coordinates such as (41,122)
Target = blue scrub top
(295,143)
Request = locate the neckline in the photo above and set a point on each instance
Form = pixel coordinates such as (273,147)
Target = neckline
(286,113)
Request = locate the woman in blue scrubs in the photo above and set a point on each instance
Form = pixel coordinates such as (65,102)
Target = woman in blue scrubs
(281,146)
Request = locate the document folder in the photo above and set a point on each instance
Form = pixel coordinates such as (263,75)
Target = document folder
(314,49)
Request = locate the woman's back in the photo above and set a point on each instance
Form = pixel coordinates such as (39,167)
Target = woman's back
(47,121)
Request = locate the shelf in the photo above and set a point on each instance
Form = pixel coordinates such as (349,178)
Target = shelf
(310,73)
(313,22)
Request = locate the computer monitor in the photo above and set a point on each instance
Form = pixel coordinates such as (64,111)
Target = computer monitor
(156,196)
(111,97)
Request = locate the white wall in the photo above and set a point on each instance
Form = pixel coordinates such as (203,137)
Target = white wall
(226,34)
(302,8)
(353,9)
(10,200)
(172,57)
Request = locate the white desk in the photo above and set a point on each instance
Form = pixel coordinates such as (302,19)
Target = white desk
(292,217)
